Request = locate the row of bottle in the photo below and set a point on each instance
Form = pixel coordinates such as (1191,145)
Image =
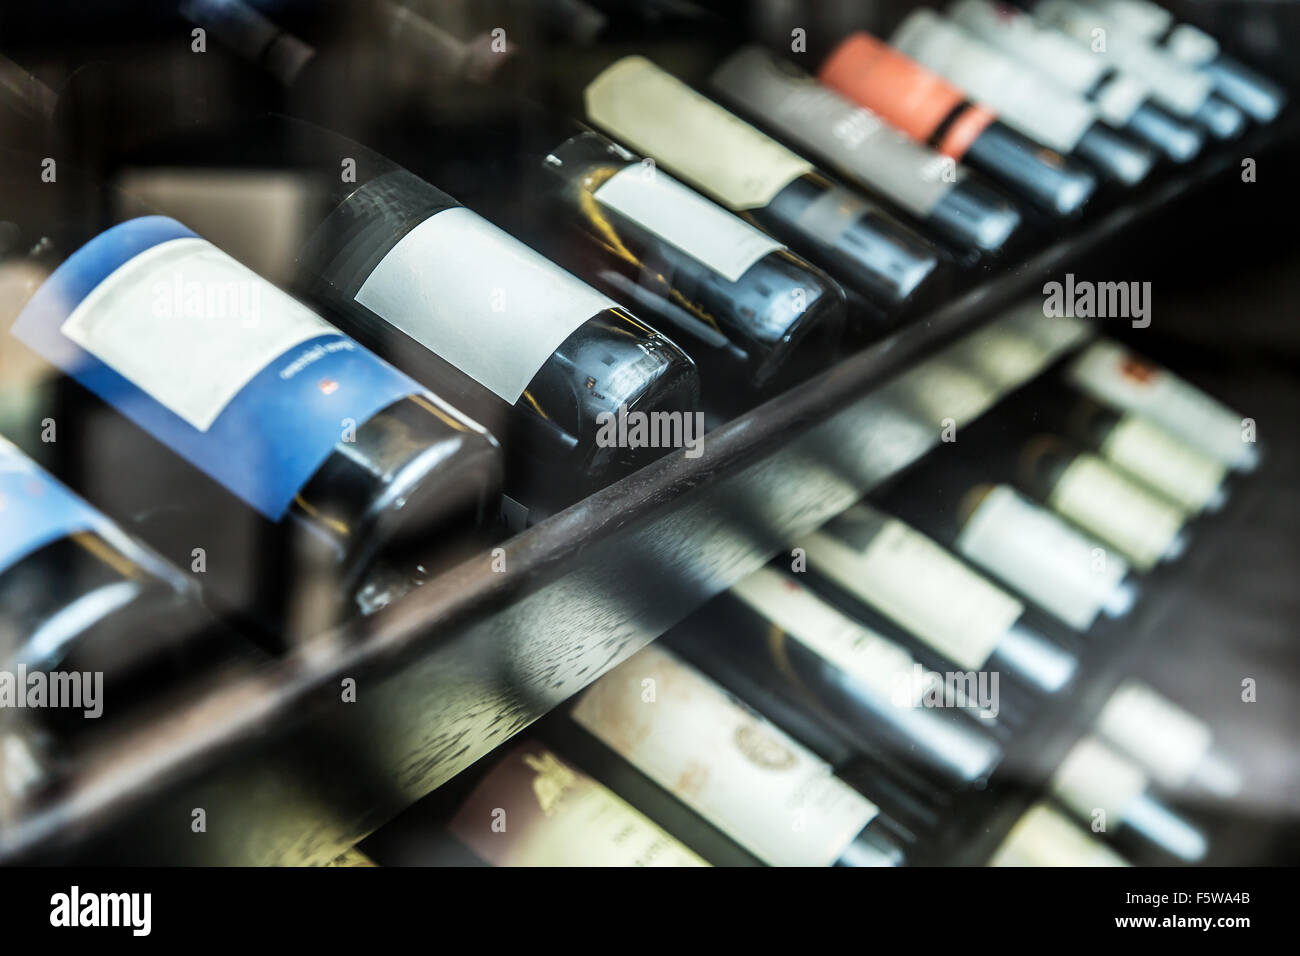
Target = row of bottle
(485,330)
(659,764)
(804,721)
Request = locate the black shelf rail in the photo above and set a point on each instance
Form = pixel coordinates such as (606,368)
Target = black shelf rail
(287,772)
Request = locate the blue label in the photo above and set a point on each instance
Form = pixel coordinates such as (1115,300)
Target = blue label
(35,509)
(287,408)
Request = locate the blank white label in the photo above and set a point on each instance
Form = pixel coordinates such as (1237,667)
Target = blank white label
(742,774)
(685,219)
(189,326)
(479,298)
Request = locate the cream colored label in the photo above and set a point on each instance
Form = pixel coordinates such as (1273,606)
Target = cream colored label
(533,809)
(1043,837)
(1156,732)
(1093,777)
(658,115)
(1041,556)
(1173,84)
(873,661)
(918,585)
(186,357)
(855,141)
(1038,107)
(1164,461)
(728,764)
(1113,375)
(1116,509)
(685,219)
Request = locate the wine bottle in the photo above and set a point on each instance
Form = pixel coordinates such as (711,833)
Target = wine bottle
(1146,528)
(1024,99)
(874,256)
(1123,100)
(731,766)
(837,686)
(1142,449)
(525,806)
(78,596)
(1111,794)
(1025,546)
(542,358)
(753,314)
(1117,376)
(1260,97)
(931,110)
(868,152)
(250,440)
(1175,86)
(936,598)
(1174,746)
(1044,837)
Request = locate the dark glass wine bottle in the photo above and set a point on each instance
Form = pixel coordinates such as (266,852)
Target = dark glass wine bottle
(754,314)
(1145,527)
(833,683)
(966,214)
(1122,99)
(547,362)
(78,594)
(648,109)
(250,441)
(766,791)
(1142,449)
(523,805)
(1033,551)
(938,600)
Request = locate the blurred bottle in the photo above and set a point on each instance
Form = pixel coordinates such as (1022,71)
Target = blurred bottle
(1122,99)
(1177,87)
(249,440)
(1043,837)
(837,686)
(524,806)
(731,766)
(938,599)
